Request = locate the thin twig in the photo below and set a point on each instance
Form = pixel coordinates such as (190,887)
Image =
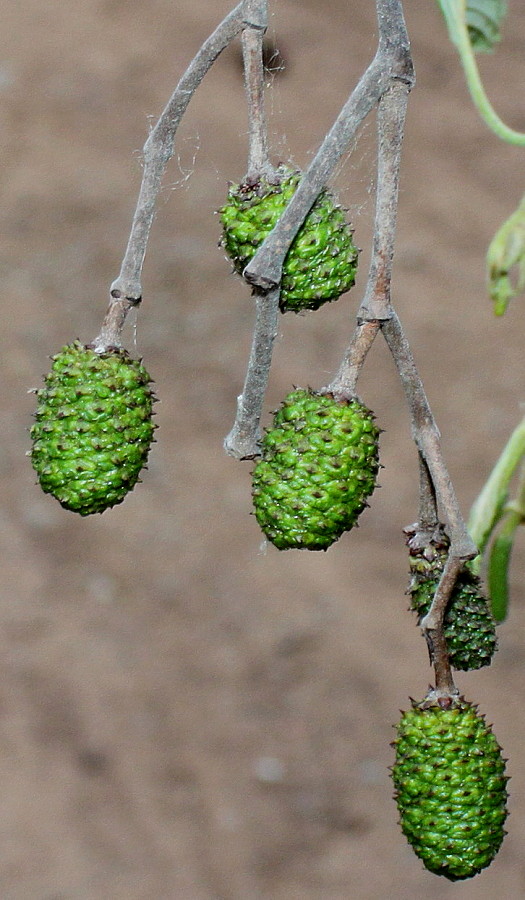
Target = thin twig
(344,383)
(265,268)
(158,150)
(432,626)
(243,441)
(427,539)
(113,324)
(435,486)
(427,438)
(434,483)
(375,307)
(428,511)
(252,49)
(391,124)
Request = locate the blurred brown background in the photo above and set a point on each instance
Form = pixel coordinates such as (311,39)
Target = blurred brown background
(186,714)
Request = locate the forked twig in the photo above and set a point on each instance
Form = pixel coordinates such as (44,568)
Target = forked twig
(345,382)
(244,439)
(375,307)
(427,438)
(391,116)
(126,290)
(391,63)
(387,81)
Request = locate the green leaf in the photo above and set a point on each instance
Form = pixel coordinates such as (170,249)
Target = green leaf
(488,507)
(506,261)
(483,18)
(498,566)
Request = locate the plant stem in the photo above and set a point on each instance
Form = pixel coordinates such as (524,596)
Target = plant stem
(265,268)
(432,626)
(428,512)
(391,123)
(252,47)
(375,307)
(488,506)
(343,386)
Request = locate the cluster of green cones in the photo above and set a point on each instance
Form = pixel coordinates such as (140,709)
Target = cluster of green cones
(318,466)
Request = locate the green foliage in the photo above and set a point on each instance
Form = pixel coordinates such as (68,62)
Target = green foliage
(506,261)
(472,27)
(484,18)
(481,19)
(494,520)
(498,566)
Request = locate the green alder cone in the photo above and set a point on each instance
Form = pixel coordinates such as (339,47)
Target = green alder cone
(468,626)
(93,428)
(450,787)
(321,263)
(319,464)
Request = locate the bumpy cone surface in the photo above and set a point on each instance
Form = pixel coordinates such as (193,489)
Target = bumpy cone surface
(450,787)
(93,428)
(319,464)
(469,628)
(322,261)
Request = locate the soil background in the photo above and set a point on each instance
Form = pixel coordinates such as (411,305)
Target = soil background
(186,713)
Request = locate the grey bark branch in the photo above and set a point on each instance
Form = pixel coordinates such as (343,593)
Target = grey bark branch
(265,268)
(375,307)
(244,439)
(432,627)
(391,125)
(252,47)
(158,150)
(427,438)
(428,511)
(343,386)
